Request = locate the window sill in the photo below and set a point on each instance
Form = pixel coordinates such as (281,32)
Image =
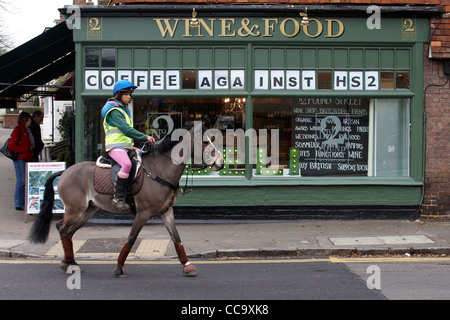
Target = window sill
(224,181)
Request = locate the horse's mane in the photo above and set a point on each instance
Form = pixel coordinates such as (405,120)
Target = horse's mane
(166,144)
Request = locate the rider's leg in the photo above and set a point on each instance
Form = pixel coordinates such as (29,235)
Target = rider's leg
(120,155)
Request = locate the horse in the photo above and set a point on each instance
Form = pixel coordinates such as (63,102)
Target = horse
(163,166)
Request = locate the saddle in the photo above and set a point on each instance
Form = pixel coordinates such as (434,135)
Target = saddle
(106,171)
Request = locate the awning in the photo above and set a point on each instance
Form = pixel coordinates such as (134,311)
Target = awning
(37,62)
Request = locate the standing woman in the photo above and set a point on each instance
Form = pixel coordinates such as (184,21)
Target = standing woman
(20,142)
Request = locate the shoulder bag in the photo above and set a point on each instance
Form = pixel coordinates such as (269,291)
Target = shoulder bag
(8,152)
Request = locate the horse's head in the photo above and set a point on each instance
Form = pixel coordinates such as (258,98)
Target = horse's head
(211,155)
(199,145)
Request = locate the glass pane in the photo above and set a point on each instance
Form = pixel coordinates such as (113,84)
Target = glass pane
(108,57)
(92,57)
(269,115)
(402,80)
(387,80)
(157,117)
(391,145)
(324,78)
(189,79)
(94,136)
(316,136)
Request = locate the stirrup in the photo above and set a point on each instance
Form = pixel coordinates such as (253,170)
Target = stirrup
(121,204)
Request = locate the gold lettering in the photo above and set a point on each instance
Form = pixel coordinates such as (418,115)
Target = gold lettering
(319,28)
(289,27)
(248,30)
(209,30)
(296,27)
(330,28)
(94,24)
(168,27)
(268,27)
(187,29)
(226,27)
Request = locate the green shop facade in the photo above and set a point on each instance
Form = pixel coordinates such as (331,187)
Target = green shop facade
(344,101)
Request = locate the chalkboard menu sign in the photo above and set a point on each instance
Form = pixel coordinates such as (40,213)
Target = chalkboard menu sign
(332,135)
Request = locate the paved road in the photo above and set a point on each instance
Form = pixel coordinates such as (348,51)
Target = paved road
(420,280)
(216,280)
(290,279)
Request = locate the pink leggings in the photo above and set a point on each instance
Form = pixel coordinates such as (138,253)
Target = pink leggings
(120,155)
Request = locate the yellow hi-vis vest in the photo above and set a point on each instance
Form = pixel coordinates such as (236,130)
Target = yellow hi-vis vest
(113,136)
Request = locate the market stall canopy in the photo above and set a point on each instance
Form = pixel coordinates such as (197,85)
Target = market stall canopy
(36,62)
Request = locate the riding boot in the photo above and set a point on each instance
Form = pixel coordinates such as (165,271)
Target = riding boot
(120,192)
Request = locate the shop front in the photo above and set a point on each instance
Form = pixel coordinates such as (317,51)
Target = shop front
(324,115)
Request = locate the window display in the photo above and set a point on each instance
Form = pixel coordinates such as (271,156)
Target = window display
(338,136)
(294,137)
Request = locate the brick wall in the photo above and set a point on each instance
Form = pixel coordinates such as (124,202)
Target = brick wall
(440,33)
(436,201)
(10,120)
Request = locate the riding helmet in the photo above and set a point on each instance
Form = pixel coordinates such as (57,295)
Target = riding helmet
(123,85)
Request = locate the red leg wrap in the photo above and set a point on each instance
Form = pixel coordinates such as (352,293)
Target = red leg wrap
(68,249)
(181,253)
(123,255)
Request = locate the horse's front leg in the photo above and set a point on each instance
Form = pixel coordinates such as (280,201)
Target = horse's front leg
(169,222)
(138,223)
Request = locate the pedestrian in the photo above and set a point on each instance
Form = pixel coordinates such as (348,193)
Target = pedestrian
(119,136)
(20,142)
(35,129)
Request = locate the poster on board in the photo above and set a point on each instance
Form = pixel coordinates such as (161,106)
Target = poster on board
(36,176)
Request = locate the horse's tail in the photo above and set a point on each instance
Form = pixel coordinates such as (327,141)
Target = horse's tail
(39,230)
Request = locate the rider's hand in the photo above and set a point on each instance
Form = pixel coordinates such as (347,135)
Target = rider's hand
(150,139)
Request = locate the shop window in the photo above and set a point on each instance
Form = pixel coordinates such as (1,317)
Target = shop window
(291,137)
(333,136)
(92,57)
(390,138)
(108,57)
(159,117)
(275,116)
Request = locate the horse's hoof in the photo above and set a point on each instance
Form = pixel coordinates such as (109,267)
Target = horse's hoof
(64,265)
(120,272)
(189,270)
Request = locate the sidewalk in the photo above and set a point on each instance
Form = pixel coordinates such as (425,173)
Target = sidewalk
(224,239)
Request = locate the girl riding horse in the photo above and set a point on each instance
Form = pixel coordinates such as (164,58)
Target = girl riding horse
(119,136)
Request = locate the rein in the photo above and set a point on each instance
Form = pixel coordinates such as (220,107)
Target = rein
(165,182)
(183,190)
(156,178)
